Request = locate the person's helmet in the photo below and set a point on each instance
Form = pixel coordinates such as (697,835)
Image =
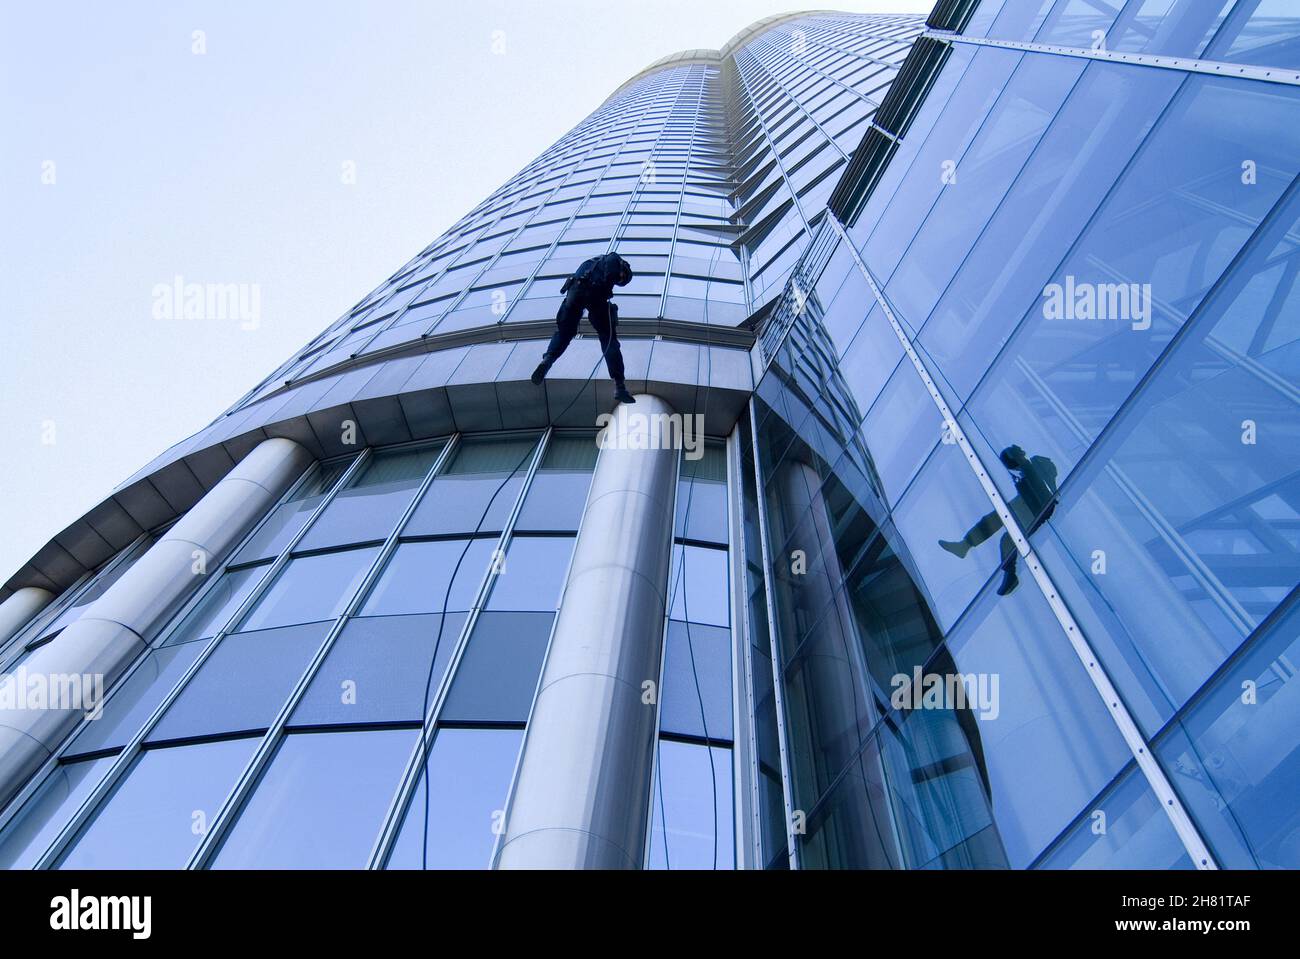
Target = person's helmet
(624,273)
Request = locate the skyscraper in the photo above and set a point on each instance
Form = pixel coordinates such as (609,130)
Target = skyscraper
(955,524)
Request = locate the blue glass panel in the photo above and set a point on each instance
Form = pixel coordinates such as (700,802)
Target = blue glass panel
(691,824)
(36,825)
(1236,756)
(559,490)
(702,489)
(1045,736)
(1193,500)
(699,587)
(477,490)
(938,776)
(311,589)
(377,670)
(497,677)
(374,500)
(212,612)
(1167,27)
(1124,829)
(868,362)
(1104,119)
(944,504)
(135,700)
(977,181)
(160,811)
(853,828)
(959,122)
(1078,23)
(243,684)
(902,428)
(1264,33)
(829,706)
(416,577)
(469,774)
(290,516)
(320,803)
(1180,213)
(696,689)
(1020,19)
(532,575)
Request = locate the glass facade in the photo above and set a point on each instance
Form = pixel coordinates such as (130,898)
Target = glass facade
(1133,452)
(991,563)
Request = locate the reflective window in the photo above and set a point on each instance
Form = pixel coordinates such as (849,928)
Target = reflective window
(1040,734)
(160,811)
(477,490)
(1192,504)
(1124,829)
(696,688)
(136,698)
(945,504)
(311,589)
(243,685)
(416,577)
(1106,116)
(497,676)
(1165,234)
(1169,27)
(853,828)
(214,610)
(29,834)
(691,823)
(320,803)
(559,489)
(702,495)
(699,586)
(1234,759)
(373,502)
(532,575)
(468,774)
(379,670)
(290,516)
(1265,33)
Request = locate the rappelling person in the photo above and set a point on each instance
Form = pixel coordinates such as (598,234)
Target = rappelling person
(589,288)
(1035,482)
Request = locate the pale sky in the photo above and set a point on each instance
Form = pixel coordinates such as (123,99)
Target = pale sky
(128,159)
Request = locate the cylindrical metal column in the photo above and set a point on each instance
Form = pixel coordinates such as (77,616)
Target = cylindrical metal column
(116,627)
(17,611)
(582,792)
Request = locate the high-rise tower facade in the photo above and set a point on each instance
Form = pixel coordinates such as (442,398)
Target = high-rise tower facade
(955,524)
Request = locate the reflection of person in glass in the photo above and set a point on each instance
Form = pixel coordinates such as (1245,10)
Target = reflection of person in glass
(1035,479)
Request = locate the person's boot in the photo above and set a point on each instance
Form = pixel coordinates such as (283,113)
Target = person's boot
(1009,582)
(958,549)
(543,368)
(622,395)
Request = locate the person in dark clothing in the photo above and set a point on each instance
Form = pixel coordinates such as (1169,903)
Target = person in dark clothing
(589,288)
(1035,480)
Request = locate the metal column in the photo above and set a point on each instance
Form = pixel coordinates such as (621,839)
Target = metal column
(118,625)
(17,611)
(582,790)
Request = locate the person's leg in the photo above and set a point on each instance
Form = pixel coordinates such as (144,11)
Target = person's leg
(987,525)
(602,316)
(566,328)
(1009,578)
